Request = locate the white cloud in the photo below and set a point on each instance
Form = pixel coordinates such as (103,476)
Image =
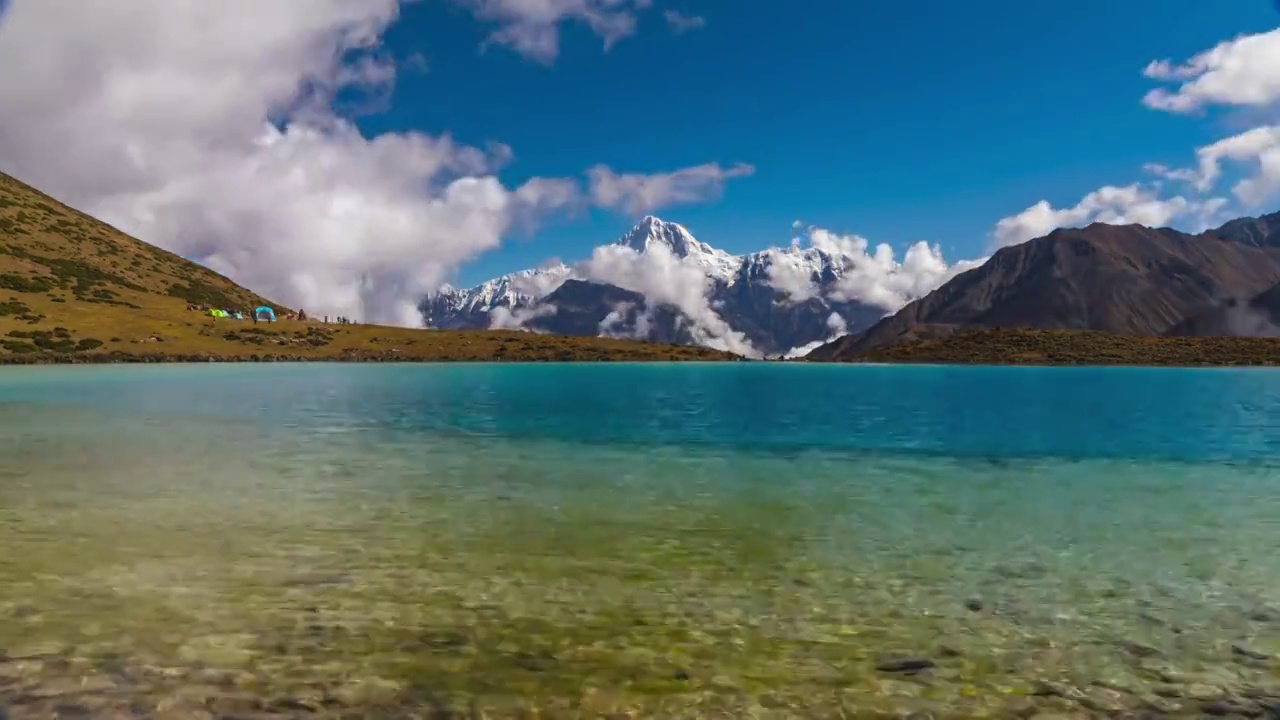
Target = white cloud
(681,23)
(1184,175)
(1244,71)
(503,318)
(877,278)
(639,194)
(1136,203)
(1242,320)
(791,273)
(1260,145)
(665,279)
(213,137)
(613,324)
(839,328)
(545,280)
(532,27)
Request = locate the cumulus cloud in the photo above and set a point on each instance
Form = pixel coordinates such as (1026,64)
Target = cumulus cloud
(638,194)
(665,279)
(874,277)
(1241,72)
(1261,145)
(681,23)
(1136,203)
(1244,71)
(216,139)
(791,274)
(532,27)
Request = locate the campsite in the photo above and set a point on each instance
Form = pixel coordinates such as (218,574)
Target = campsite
(262,313)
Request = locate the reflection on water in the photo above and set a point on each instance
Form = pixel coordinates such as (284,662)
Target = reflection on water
(218,559)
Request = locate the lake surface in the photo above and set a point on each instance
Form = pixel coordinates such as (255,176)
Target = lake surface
(719,540)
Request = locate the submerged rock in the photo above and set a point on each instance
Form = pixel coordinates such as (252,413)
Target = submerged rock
(1230,706)
(1138,649)
(1241,650)
(1264,615)
(905,664)
(1202,691)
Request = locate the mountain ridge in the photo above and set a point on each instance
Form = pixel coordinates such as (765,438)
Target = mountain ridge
(1120,279)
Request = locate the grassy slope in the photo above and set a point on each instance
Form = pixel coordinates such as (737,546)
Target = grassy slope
(1071,347)
(73,289)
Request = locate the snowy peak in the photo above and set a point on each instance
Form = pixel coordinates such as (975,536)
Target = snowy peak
(511,290)
(675,237)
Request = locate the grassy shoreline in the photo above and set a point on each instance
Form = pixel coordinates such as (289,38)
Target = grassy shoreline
(180,358)
(208,340)
(1083,348)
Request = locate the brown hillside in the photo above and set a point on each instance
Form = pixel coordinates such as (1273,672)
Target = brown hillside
(73,289)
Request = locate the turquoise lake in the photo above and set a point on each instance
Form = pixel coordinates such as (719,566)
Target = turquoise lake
(630,540)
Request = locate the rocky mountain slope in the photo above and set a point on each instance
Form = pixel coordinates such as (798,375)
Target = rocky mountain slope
(1128,280)
(752,294)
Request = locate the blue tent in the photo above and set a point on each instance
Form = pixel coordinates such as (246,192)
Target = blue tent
(265,314)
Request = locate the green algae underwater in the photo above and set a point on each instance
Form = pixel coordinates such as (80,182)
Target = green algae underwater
(172,552)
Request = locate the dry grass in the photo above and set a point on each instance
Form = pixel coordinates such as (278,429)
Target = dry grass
(1071,347)
(73,289)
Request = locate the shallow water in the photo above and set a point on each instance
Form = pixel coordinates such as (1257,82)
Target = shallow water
(741,540)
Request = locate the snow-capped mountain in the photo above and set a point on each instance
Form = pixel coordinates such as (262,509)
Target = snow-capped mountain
(451,308)
(653,232)
(660,283)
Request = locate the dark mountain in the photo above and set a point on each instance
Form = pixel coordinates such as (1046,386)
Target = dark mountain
(1127,280)
(584,308)
(1260,231)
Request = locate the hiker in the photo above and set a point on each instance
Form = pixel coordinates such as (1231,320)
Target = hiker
(302,315)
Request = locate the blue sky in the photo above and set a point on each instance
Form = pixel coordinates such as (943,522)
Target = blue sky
(893,121)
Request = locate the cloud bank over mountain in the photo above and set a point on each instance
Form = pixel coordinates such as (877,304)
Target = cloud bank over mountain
(218,139)
(675,287)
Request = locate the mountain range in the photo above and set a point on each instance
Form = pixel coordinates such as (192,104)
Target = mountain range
(1121,279)
(660,283)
